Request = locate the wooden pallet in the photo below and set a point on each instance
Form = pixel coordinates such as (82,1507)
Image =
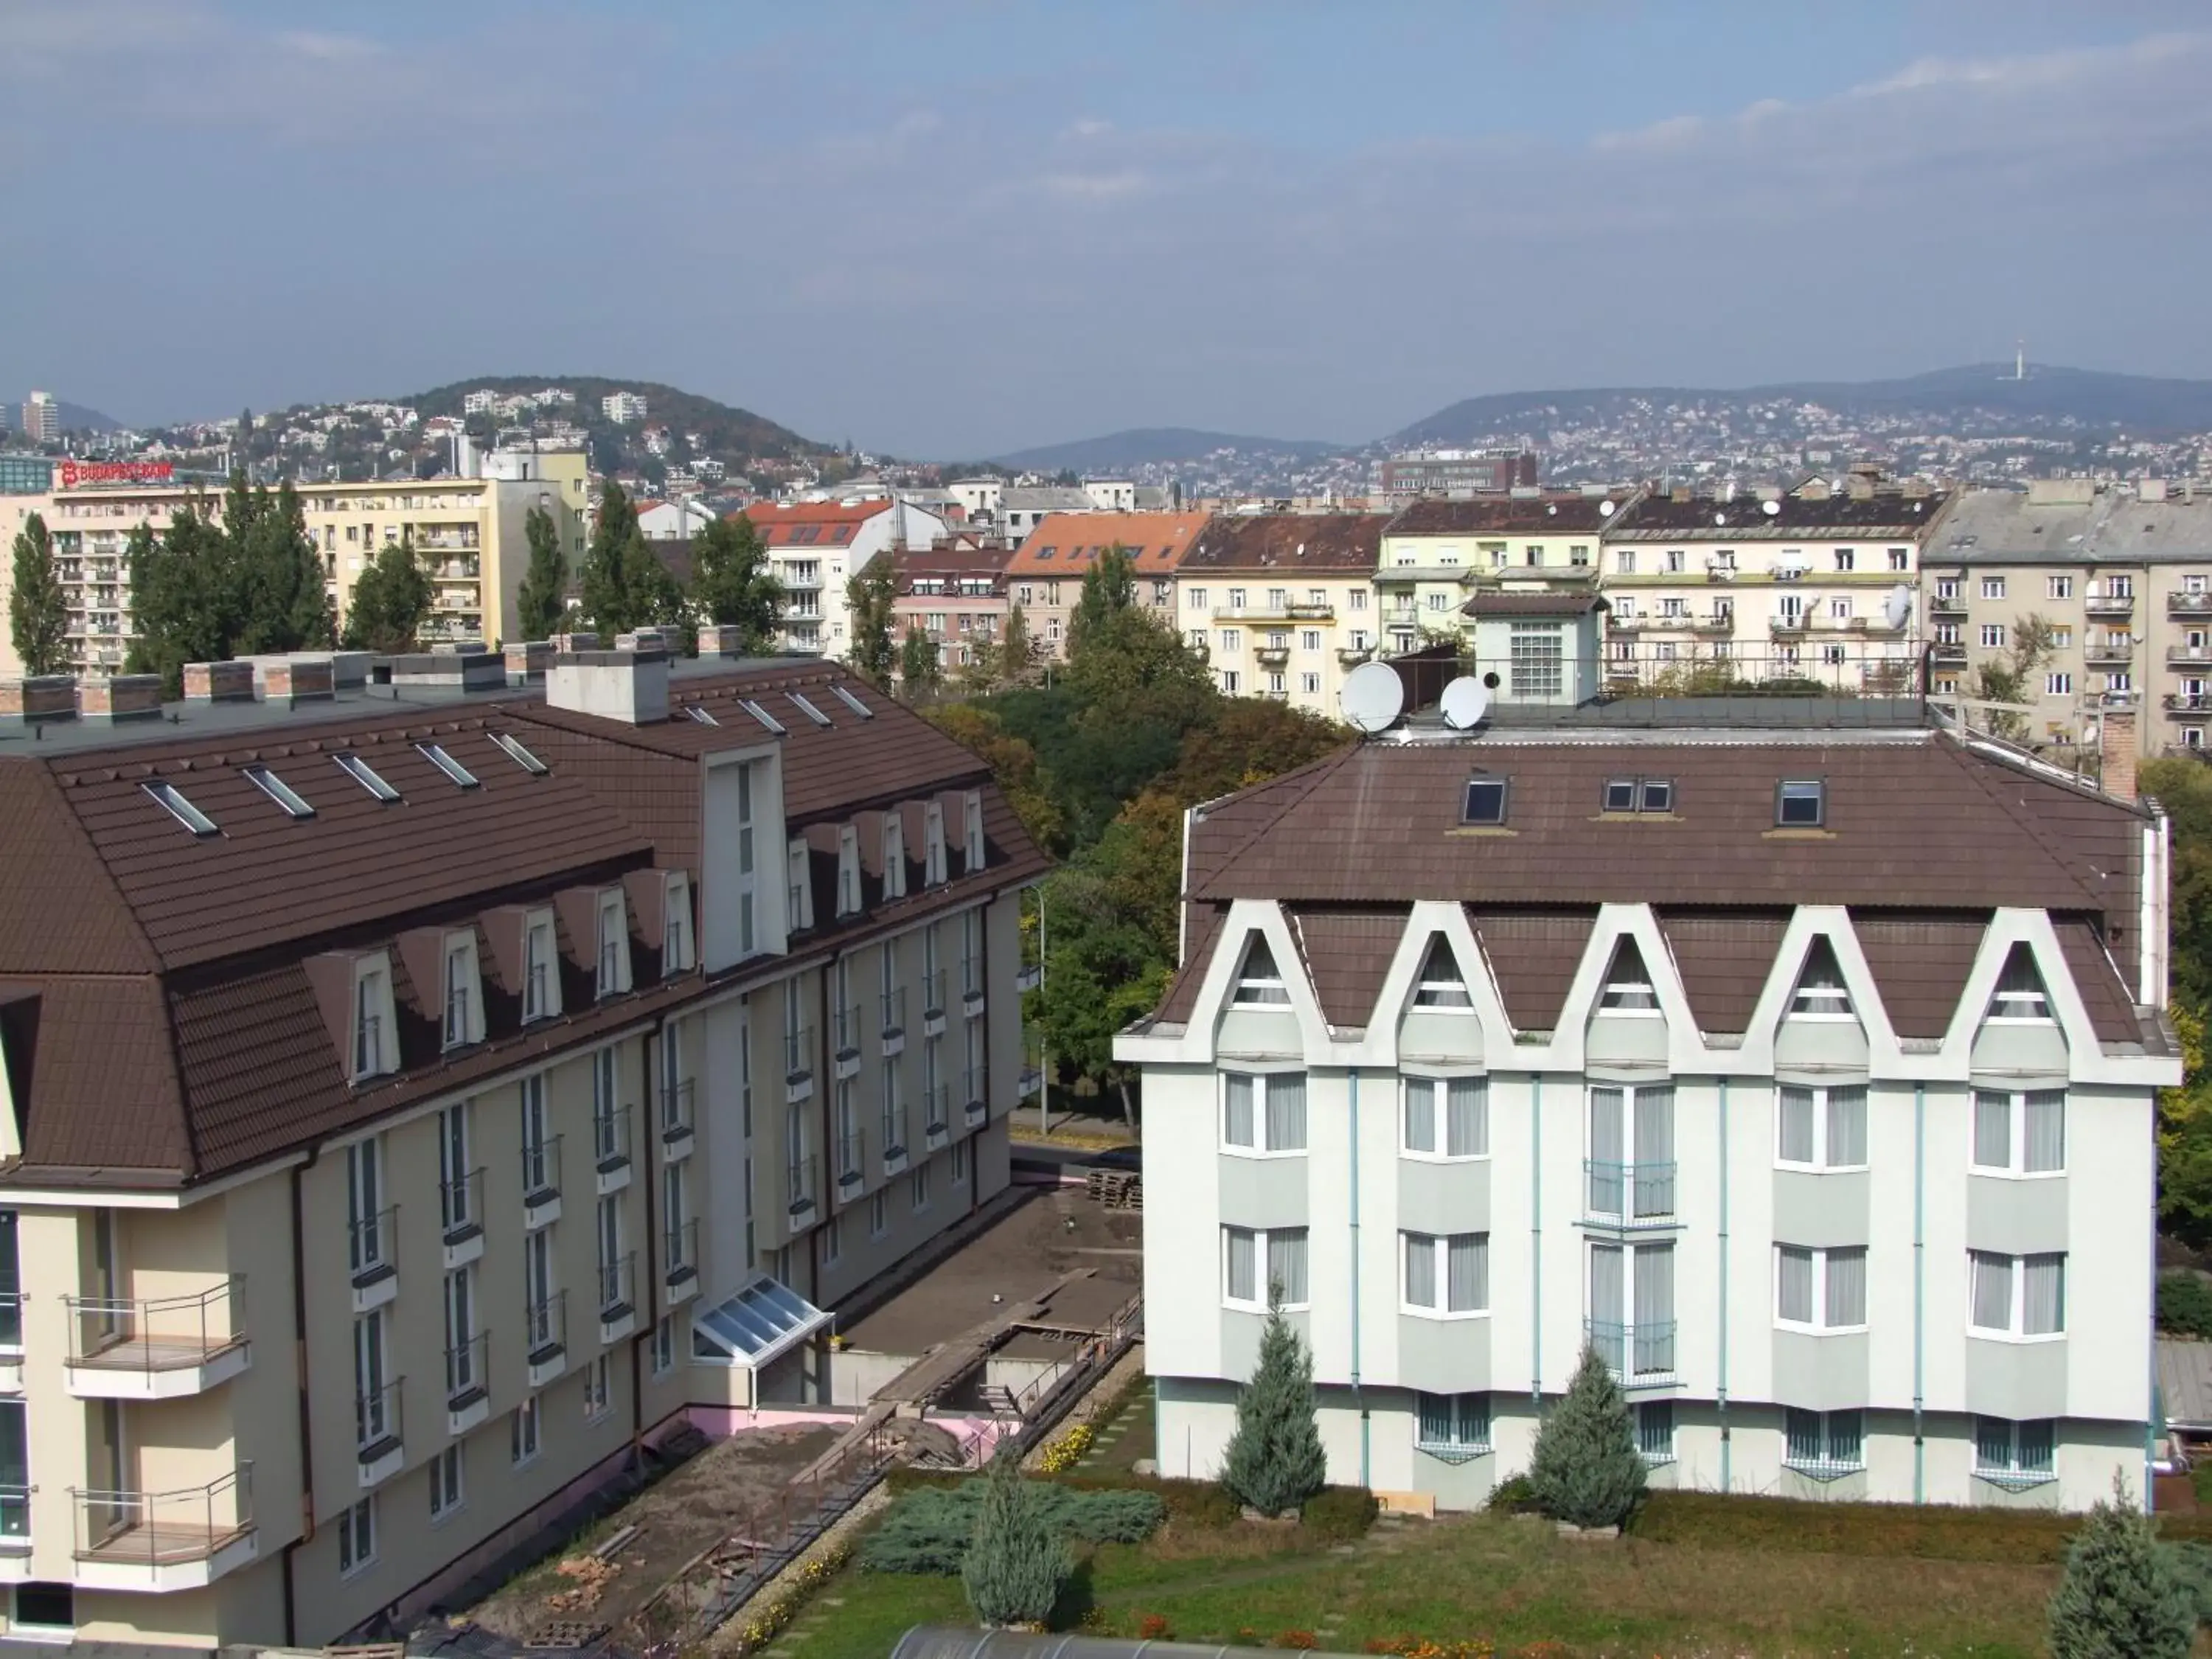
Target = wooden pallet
(1117,1189)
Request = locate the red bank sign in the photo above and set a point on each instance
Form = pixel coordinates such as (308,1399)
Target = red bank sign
(98,472)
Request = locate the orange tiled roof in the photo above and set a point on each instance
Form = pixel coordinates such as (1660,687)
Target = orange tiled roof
(1070,542)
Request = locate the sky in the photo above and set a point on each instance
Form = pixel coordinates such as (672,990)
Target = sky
(951,228)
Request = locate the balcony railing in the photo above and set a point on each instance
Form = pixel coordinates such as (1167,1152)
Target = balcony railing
(546,1327)
(541,1171)
(976,1094)
(2110,604)
(799,1055)
(1630,1193)
(1954,605)
(2120,649)
(2188,703)
(468,1371)
(848,1032)
(935,1098)
(371,1243)
(163,1529)
(460,1206)
(1641,1353)
(610,1139)
(893,1013)
(617,1279)
(2190,654)
(376,1430)
(932,996)
(679,1245)
(2189,604)
(1947,651)
(144,1336)
(799,1185)
(971,982)
(892,1124)
(852,1153)
(676,1119)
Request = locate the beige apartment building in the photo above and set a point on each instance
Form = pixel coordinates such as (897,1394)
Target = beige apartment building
(1436,552)
(2121,574)
(1783,585)
(408,1110)
(467,532)
(1282,605)
(1045,574)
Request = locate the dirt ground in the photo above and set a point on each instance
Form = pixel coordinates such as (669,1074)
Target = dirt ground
(707,1499)
(1055,1232)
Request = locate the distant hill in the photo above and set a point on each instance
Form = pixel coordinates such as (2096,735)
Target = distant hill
(76,417)
(1165,445)
(726,430)
(2049,395)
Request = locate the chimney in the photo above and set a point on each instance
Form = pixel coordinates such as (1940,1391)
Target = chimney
(2117,749)
(629,686)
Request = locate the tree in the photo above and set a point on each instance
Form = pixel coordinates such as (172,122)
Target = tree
(542,600)
(871,596)
(1013,766)
(391,599)
(184,597)
(1016,1565)
(2121,1596)
(2004,678)
(1016,654)
(625,587)
(1109,587)
(1586,1470)
(283,597)
(921,674)
(38,610)
(732,584)
(980,673)
(1275,1462)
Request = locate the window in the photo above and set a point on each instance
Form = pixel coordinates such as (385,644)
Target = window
(541,982)
(663,1345)
(436,755)
(894,855)
(172,800)
(1623,561)
(848,871)
(1822,1129)
(2021,1132)
(2011,1453)
(1230,681)
(1628,988)
(447,1491)
(844,694)
(766,721)
(1820,992)
(1993,635)
(1823,1444)
(1264,1113)
(2059,587)
(538,1172)
(2019,994)
(614,945)
(2016,1295)
(1459,1106)
(1632,1308)
(1639,795)
(1358,598)
(1232,639)
(1654,1431)
(960,1163)
(1259,981)
(598,1388)
(1901,558)
(833,1241)
(1485,801)
(461,1025)
(1283,1252)
(357,1536)
(514,750)
(1449,1275)
(1537,657)
(801,894)
(1441,985)
(748,878)
(975,849)
(1801,804)
(364,775)
(678,955)
(1452,1425)
(1820,1290)
(278,791)
(2058,685)
(365,1219)
(919,1183)
(1309,685)
(879,1213)
(375,1399)
(464,1361)
(1236,599)
(523,1427)
(1198,598)
(370,1054)
(1993,588)
(1631,1151)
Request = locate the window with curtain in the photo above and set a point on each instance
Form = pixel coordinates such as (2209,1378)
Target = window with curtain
(1441,984)
(2019,1133)
(1652,1354)
(1287,1265)
(1847,1127)
(1453,1422)
(2017,1296)
(1447,1117)
(1990,1290)
(1820,1128)
(1820,1289)
(1236,1111)
(1286,1112)
(1240,1254)
(1628,988)
(1446,1275)
(1258,982)
(1264,1112)
(2019,994)
(2042,1295)
(1820,992)
(1631,1167)
(1992,1130)
(1795,1134)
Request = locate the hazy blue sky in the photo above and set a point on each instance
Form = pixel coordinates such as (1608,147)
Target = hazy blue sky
(961,226)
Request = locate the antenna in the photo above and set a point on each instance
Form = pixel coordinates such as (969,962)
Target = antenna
(1465,701)
(1371,697)
(1897,609)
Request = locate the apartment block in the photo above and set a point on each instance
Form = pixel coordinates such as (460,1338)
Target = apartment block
(1045,575)
(405,1110)
(957,594)
(1281,604)
(817,547)
(1807,1076)
(1435,553)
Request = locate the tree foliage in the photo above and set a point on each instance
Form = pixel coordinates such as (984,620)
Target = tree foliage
(542,600)
(1586,1470)
(921,676)
(1013,766)
(2005,677)
(2184,788)
(38,610)
(732,584)
(2121,1596)
(1275,1461)
(624,586)
(870,596)
(390,600)
(1017,653)
(1016,1562)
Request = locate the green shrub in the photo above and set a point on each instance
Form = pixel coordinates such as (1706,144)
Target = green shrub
(1337,1515)
(2185,1305)
(1586,1470)
(1275,1461)
(1516,1496)
(1016,1564)
(2121,1596)
(929,1529)
(2192,1562)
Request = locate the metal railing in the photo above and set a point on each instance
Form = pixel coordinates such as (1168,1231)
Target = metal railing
(468,1370)
(163,1529)
(676,1109)
(376,1420)
(680,1251)
(934,1102)
(615,1280)
(894,1125)
(460,1204)
(2190,653)
(2189,604)
(851,1152)
(972,976)
(1636,1353)
(2187,702)
(2109,604)
(610,1138)
(2120,650)
(848,1031)
(975,1090)
(893,1006)
(541,1169)
(155,1333)
(932,994)
(545,1326)
(1630,1192)
(799,1184)
(372,1243)
(799,1054)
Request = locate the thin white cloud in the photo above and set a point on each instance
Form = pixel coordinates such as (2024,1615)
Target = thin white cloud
(1095,187)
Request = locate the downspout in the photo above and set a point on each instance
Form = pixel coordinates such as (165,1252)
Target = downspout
(300,1371)
(1726,1448)
(1357,1398)
(1919,1287)
(653,1325)
(1536,1241)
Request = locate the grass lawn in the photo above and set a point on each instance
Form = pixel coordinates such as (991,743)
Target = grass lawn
(1475,1579)
(1124,1436)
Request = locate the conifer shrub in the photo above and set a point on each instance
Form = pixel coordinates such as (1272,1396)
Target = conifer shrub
(1275,1461)
(2122,1594)
(1016,1564)
(930,1529)
(1586,1470)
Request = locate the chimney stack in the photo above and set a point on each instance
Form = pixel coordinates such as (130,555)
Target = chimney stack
(2117,749)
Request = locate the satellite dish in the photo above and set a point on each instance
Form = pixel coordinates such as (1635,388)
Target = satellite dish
(1772,509)
(1371,697)
(1720,518)
(1605,509)
(1897,607)
(1465,701)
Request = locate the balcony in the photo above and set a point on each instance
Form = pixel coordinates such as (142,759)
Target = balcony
(800,1180)
(468,1384)
(617,1299)
(1628,1195)
(799,1064)
(932,1003)
(1029,1084)
(852,1159)
(379,1448)
(2189,604)
(893,1018)
(936,1127)
(1402,615)
(460,1217)
(1273,656)
(545,1337)
(976,1096)
(679,1267)
(2188,705)
(1717,622)
(847,1055)
(165,1541)
(2116,651)
(1787,627)
(541,1183)
(1947,651)
(1641,1356)
(1313,613)
(1953,605)
(610,1161)
(893,1126)
(372,1243)
(676,1138)
(1028,976)
(2110,604)
(2189,655)
(971,985)
(161,1349)
(1348,656)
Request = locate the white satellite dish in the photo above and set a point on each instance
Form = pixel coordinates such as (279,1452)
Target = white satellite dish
(1372,697)
(1772,509)
(1605,509)
(1464,702)
(1720,518)
(1897,609)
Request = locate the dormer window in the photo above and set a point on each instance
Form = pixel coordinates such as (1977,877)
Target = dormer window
(933,845)
(678,953)
(375,1046)
(614,945)
(1441,985)
(1821,994)
(971,830)
(2019,993)
(1485,803)
(1628,988)
(464,1009)
(848,871)
(800,895)
(541,981)
(894,856)
(1260,983)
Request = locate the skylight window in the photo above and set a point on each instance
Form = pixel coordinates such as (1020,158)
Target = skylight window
(761,716)
(365,775)
(172,800)
(1801,804)
(1654,795)
(697,711)
(521,757)
(445,763)
(1620,794)
(852,702)
(1821,994)
(278,791)
(806,709)
(1628,988)
(1485,801)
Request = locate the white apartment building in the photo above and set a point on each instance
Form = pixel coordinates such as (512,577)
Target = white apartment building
(42,418)
(1808,1077)
(623,408)
(817,547)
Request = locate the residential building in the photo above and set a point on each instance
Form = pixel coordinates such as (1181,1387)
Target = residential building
(26,475)
(1540,647)
(424,1105)
(1111,495)
(673,521)
(42,418)
(956,593)
(468,534)
(815,548)
(1456,472)
(1781,586)
(1283,603)
(623,408)
(1046,570)
(1435,552)
(1022,509)
(978,497)
(2121,578)
(1807,1077)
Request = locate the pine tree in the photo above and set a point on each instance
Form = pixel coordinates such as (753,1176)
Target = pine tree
(1586,1470)
(391,599)
(1109,587)
(920,671)
(38,610)
(1015,653)
(282,599)
(624,584)
(542,599)
(870,596)
(184,597)
(1275,1461)
(2122,1595)
(1016,1564)
(731,585)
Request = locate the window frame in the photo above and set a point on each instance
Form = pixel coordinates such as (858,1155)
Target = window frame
(538,928)
(676,929)
(1824,1464)
(1438,1245)
(1274,987)
(1262,1145)
(448,1479)
(2017,1471)
(357,1518)
(1819,1257)
(525,1431)
(1798,992)
(1262,1283)
(2017,1101)
(467,980)
(1638,791)
(1470,818)
(1823,1100)
(1438,1087)
(610,963)
(1610,988)
(2016,1296)
(1435,995)
(1463,1412)
(799,884)
(1789,790)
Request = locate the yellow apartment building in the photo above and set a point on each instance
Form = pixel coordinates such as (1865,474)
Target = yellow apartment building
(1045,575)
(1282,605)
(1436,552)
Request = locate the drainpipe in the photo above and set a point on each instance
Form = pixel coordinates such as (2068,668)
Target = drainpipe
(1357,1398)
(300,1372)
(1536,1241)
(653,1325)
(1726,1448)
(1919,1287)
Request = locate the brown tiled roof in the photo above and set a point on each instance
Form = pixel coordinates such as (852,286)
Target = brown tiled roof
(1068,544)
(1724,957)
(1887,515)
(1508,515)
(1283,543)
(1347,952)
(1202,927)
(2111,1005)
(104,1090)
(1532,604)
(1920,964)
(1533,955)
(64,914)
